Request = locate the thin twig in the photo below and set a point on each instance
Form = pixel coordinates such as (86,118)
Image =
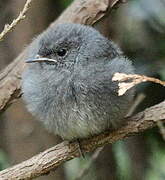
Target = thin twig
(51,158)
(85,170)
(95,155)
(140,97)
(135,79)
(21,16)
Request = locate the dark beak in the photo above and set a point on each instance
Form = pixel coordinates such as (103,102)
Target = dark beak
(38,58)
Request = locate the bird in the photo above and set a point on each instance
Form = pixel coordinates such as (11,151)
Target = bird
(68,82)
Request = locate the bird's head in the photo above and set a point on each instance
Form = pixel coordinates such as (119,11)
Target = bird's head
(64,45)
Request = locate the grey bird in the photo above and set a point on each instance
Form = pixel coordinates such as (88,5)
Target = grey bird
(68,83)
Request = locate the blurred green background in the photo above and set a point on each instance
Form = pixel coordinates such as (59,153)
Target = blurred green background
(138,27)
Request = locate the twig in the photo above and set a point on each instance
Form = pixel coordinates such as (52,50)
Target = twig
(85,170)
(95,155)
(140,97)
(135,79)
(82,12)
(50,159)
(21,16)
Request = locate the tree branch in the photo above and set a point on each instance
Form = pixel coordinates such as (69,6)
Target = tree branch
(127,81)
(50,159)
(9,27)
(83,12)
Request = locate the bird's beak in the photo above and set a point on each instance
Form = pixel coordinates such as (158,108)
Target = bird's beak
(39,58)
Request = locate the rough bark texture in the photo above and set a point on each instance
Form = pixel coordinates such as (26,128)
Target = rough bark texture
(18,129)
(50,159)
(83,12)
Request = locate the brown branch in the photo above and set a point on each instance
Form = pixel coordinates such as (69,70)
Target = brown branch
(21,16)
(83,12)
(84,171)
(127,81)
(50,159)
(133,79)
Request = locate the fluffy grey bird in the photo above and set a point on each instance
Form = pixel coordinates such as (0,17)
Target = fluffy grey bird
(68,83)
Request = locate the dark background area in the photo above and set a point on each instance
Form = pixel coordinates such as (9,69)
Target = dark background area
(138,27)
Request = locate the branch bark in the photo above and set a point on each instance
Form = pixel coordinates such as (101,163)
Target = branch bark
(21,16)
(50,159)
(83,12)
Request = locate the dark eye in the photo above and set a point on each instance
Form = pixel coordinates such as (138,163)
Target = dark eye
(61,52)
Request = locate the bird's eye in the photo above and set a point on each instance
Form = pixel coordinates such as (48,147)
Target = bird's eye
(61,52)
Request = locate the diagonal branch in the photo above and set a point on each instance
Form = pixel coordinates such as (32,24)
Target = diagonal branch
(83,12)
(50,159)
(21,16)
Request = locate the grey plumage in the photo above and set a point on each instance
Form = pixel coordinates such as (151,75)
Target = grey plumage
(75,97)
